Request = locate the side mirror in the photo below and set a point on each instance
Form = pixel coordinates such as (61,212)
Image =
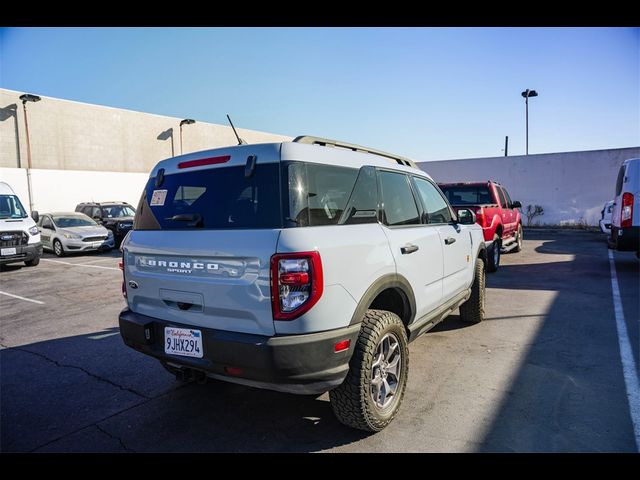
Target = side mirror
(35,216)
(97,219)
(466,216)
(516,204)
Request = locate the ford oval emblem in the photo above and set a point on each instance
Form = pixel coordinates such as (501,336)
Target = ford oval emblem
(6,237)
(133,284)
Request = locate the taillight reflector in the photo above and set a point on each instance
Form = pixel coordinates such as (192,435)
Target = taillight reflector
(342,346)
(234,371)
(204,161)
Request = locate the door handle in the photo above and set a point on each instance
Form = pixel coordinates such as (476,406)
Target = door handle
(449,241)
(409,248)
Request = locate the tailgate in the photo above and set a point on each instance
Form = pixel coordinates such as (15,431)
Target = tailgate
(209,278)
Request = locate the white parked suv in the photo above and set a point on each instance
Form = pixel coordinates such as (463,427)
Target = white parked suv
(304,266)
(625,218)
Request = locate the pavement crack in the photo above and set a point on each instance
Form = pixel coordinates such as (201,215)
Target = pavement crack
(108,417)
(118,439)
(87,372)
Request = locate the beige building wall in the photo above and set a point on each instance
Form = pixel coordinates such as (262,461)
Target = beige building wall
(572,187)
(67,135)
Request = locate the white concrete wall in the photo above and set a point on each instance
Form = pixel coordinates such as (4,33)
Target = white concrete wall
(62,190)
(572,187)
(67,135)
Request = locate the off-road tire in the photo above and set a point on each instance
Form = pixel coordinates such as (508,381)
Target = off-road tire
(494,254)
(519,238)
(352,401)
(33,262)
(472,311)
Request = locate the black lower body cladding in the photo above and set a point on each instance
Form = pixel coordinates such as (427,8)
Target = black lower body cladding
(304,364)
(625,239)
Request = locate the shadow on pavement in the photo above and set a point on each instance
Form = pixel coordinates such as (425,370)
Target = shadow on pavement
(568,394)
(92,393)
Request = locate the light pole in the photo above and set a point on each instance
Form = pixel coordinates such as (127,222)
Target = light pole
(526,94)
(186,121)
(27,97)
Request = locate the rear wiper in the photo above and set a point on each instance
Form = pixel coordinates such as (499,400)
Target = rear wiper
(194,218)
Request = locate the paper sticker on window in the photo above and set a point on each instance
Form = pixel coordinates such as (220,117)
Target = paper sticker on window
(158,197)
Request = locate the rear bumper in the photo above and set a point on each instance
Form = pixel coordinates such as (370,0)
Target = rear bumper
(625,239)
(303,364)
(24,253)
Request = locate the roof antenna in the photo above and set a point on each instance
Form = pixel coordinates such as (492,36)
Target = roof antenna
(240,141)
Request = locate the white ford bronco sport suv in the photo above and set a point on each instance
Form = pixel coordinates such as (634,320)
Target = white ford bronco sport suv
(304,267)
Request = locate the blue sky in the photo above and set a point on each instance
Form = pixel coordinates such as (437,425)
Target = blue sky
(427,93)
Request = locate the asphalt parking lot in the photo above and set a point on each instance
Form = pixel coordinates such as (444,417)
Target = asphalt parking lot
(543,373)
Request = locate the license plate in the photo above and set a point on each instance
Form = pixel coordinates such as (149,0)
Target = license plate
(7,251)
(183,341)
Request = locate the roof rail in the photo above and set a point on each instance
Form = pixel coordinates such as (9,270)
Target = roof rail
(326,142)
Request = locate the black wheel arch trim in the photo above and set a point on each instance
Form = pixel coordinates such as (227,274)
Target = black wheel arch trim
(482,253)
(390,280)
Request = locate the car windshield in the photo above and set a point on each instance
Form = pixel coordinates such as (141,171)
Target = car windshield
(10,207)
(467,194)
(117,211)
(66,221)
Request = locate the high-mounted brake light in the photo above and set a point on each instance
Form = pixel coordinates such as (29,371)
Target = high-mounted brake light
(626,213)
(204,161)
(296,283)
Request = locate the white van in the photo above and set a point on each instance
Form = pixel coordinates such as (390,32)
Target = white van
(625,219)
(19,235)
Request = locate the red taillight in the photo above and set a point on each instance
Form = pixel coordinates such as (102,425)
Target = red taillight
(626,214)
(297,279)
(342,346)
(296,283)
(204,161)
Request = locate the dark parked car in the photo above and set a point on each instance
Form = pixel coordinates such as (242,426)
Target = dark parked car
(115,216)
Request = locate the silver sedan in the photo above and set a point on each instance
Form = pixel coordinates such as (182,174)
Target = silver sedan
(73,232)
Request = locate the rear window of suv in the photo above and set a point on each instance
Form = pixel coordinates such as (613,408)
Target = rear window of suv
(218,198)
(467,194)
(286,194)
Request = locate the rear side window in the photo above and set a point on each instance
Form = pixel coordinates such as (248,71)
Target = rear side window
(435,206)
(218,198)
(399,205)
(467,194)
(620,180)
(503,200)
(507,197)
(316,195)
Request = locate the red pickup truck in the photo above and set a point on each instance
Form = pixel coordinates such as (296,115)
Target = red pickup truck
(496,213)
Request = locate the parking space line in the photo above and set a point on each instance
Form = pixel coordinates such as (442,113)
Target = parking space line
(79,264)
(626,355)
(22,298)
(101,260)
